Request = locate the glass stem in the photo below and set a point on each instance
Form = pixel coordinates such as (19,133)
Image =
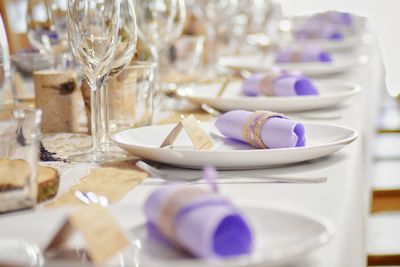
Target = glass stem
(96,117)
(105,115)
(157,77)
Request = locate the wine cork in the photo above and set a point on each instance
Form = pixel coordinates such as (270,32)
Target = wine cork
(57,95)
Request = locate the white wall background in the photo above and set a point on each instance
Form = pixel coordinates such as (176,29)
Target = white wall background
(384,16)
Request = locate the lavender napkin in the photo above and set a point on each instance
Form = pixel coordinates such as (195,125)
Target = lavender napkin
(198,220)
(307,54)
(333,17)
(314,30)
(275,132)
(277,82)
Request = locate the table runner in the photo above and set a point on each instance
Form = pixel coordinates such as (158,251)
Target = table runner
(112,180)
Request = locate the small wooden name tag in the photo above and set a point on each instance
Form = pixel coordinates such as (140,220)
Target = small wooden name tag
(200,139)
(102,234)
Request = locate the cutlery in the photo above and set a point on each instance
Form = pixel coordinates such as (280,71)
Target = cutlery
(223,179)
(91,198)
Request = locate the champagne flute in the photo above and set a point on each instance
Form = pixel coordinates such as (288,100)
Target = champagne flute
(93,35)
(126,45)
(160,23)
(58,15)
(41,32)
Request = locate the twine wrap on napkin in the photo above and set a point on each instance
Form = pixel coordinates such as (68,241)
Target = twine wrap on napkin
(261,129)
(277,82)
(303,54)
(252,127)
(199,221)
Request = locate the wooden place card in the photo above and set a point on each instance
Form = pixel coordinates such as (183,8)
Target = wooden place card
(200,139)
(102,234)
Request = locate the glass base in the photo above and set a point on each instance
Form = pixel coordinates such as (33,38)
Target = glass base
(109,153)
(98,156)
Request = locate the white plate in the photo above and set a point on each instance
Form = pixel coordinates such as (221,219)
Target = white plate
(331,94)
(322,140)
(281,237)
(339,64)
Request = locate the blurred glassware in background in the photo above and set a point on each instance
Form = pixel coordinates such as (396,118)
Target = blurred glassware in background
(160,24)
(20,252)
(131,96)
(212,14)
(93,27)
(58,15)
(19,137)
(5,66)
(41,32)
(184,61)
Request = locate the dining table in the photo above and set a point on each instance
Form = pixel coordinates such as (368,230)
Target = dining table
(343,199)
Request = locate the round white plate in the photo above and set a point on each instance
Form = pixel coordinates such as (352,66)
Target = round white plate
(332,93)
(281,237)
(254,63)
(144,142)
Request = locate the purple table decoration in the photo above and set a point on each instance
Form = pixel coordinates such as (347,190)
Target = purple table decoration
(334,17)
(277,82)
(314,30)
(261,129)
(303,54)
(198,220)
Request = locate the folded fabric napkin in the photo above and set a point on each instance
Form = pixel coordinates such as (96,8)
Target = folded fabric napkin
(307,54)
(261,129)
(198,220)
(333,17)
(277,82)
(314,30)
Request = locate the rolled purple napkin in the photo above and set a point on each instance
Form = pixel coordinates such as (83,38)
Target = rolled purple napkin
(198,220)
(277,82)
(319,31)
(308,54)
(261,129)
(333,17)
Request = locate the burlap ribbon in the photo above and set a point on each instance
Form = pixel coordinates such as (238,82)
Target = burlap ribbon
(253,125)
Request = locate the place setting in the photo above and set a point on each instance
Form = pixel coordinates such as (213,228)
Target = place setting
(330,30)
(274,89)
(156,133)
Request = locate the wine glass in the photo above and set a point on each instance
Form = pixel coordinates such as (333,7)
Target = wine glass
(41,32)
(93,36)
(212,13)
(125,49)
(58,15)
(160,23)
(4,61)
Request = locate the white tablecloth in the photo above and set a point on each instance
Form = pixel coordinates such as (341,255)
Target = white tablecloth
(343,199)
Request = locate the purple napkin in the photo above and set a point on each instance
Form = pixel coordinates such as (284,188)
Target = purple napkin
(333,17)
(307,54)
(277,82)
(314,30)
(275,132)
(198,220)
